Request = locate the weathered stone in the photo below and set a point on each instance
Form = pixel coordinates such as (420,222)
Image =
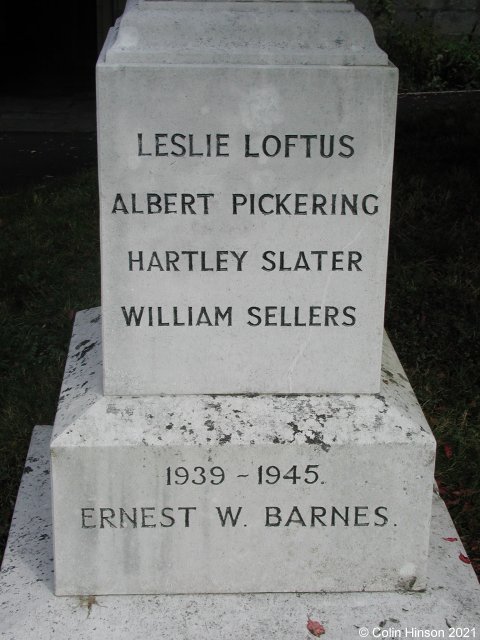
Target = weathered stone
(456,22)
(334,489)
(30,610)
(245,178)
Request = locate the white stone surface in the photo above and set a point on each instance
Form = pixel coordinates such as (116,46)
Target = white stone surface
(372,454)
(28,608)
(264,70)
(177,32)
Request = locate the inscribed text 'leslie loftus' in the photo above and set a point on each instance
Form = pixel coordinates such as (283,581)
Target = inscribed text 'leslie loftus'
(217,145)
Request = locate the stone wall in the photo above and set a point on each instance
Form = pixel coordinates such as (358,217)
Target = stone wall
(448,17)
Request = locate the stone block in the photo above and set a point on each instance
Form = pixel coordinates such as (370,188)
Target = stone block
(29,608)
(227,494)
(415,19)
(456,22)
(463,5)
(245,179)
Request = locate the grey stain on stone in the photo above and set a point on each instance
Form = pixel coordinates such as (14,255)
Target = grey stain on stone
(85,350)
(294,428)
(335,423)
(317,438)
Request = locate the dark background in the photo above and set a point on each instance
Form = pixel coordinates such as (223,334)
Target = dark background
(51,47)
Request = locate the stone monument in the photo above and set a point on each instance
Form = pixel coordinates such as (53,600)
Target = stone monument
(241,423)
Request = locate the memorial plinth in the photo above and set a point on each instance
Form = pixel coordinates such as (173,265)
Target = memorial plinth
(245,154)
(254,431)
(29,609)
(230,494)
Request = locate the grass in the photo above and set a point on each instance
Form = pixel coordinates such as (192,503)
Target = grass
(427,61)
(433,304)
(49,264)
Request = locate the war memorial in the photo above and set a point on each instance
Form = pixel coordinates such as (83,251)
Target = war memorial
(236,442)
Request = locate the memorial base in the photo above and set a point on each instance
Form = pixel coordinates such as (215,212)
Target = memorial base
(30,610)
(233,494)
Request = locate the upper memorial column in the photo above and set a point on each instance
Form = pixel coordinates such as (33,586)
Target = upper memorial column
(245,154)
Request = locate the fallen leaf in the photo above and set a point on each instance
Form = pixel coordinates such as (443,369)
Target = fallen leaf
(315,628)
(442,489)
(464,492)
(448,450)
(465,559)
(450,539)
(452,503)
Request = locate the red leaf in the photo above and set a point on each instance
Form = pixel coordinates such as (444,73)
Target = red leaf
(465,559)
(450,539)
(315,628)
(452,503)
(448,450)
(442,489)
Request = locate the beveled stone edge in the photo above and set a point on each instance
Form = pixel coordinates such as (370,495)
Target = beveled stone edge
(135,40)
(392,416)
